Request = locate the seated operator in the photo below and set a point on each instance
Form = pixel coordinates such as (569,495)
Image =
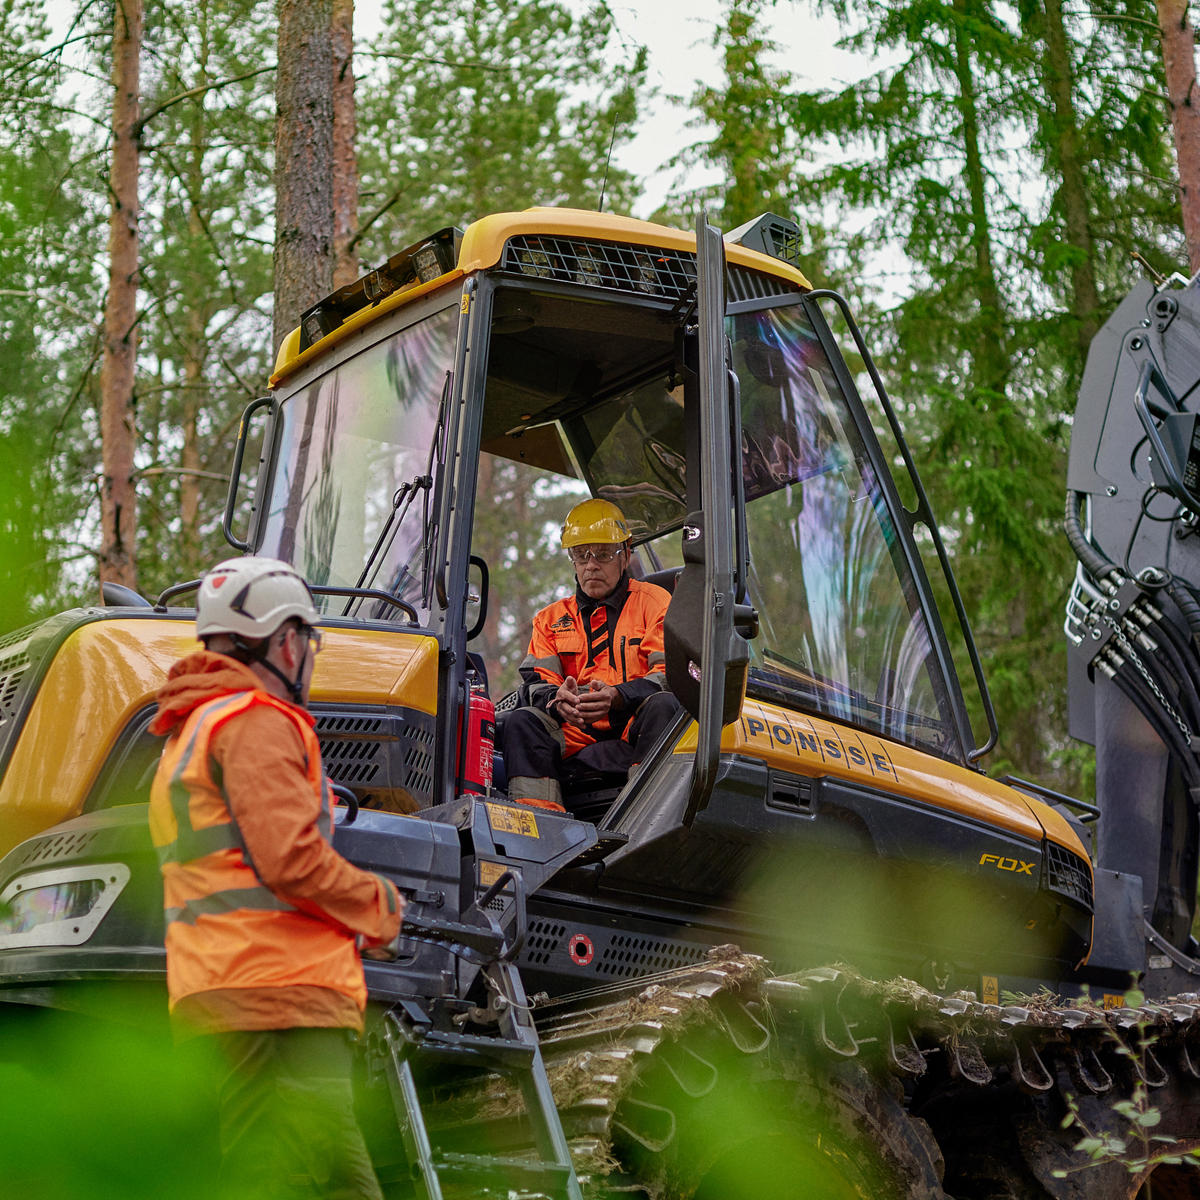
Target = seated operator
(594,673)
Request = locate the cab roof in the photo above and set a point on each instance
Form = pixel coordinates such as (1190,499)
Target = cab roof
(450,254)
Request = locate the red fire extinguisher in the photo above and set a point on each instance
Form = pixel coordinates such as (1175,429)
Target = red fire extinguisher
(481,737)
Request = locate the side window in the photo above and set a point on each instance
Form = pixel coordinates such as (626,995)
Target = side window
(126,775)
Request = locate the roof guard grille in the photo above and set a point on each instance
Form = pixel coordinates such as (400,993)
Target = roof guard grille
(637,270)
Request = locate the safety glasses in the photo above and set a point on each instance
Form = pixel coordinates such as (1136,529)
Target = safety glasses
(313,636)
(602,554)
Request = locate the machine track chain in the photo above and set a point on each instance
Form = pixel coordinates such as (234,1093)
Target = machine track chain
(905,1093)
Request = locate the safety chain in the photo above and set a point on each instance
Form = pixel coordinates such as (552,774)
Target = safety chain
(1132,655)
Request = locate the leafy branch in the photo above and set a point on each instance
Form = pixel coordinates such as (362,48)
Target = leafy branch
(1133,1143)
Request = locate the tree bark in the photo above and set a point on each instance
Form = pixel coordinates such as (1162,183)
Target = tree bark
(1073,189)
(118,498)
(303,160)
(345,161)
(991,358)
(195,342)
(1179,59)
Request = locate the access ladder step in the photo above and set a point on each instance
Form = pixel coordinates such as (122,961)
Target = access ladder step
(517,1173)
(446,1047)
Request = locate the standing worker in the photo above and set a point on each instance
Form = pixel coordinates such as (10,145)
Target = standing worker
(262,913)
(594,674)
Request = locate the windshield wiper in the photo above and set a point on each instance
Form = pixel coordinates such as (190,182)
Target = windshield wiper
(402,502)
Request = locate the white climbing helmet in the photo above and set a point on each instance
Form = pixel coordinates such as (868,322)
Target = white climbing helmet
(251,597)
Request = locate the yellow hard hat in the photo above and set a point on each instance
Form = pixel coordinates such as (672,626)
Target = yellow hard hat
(594,522)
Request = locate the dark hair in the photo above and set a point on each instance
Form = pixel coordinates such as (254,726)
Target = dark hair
(244,650)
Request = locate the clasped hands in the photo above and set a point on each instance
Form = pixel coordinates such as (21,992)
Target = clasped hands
(587,706)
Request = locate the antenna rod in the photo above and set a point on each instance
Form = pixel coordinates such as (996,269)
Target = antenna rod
(604,182)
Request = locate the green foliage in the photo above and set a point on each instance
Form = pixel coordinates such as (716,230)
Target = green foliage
(104,1106)
(207,228)
(48,326)
(477,108)
(753,143)
(202,329)
(1123,1132)
(982,348)
(748,136)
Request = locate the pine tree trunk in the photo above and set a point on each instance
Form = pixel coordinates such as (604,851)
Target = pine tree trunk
(195,346)
(118,499)
(991,358)
(1179,59)
(1073,189)
(189,459)
(345,161)
(303,160)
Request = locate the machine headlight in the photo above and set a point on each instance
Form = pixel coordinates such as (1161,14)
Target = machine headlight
(59,907)
(533,260)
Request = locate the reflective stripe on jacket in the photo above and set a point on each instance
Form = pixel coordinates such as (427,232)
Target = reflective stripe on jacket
(632,659)
(226,929)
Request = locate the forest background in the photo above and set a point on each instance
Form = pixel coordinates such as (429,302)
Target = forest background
(977,196)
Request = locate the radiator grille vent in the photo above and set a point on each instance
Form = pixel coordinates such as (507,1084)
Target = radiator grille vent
(15,662)
(377,750)
(54,847)
(628,956)
(541,941)
(1068,874)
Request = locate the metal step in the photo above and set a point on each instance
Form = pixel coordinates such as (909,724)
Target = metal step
(542,1167)
(517,1172)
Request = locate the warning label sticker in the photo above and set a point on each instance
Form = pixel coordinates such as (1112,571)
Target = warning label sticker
(506,819)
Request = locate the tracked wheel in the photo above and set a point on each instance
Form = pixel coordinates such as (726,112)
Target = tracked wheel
(710,1121)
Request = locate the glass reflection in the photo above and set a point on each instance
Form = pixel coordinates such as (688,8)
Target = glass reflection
(839,617)
(353,448)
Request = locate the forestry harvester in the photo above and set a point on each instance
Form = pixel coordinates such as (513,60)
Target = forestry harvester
(807,948)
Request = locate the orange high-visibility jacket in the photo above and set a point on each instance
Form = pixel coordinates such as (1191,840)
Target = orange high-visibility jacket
(626,652)
(261,911)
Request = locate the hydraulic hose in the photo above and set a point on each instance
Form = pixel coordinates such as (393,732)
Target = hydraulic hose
(1164,727)
(1186,603)
(1185,668)
(1161,624)
(1094,562)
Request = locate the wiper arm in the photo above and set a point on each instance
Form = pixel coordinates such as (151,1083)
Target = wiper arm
(401,502)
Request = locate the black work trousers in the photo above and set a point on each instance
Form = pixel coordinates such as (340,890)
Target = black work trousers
(288,1127)
(533,747)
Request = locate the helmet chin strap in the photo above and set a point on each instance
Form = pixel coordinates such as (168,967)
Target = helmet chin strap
(258,654)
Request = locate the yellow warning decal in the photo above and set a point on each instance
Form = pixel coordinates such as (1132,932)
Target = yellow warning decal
(505,819)
(466,303)
(991,989)
(489,872)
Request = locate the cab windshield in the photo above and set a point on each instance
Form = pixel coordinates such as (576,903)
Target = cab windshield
(350,495)
(586,396)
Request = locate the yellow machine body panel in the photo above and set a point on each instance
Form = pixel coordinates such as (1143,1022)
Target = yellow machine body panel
(377,666)
(812,746)
(108,671)
(102,675)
